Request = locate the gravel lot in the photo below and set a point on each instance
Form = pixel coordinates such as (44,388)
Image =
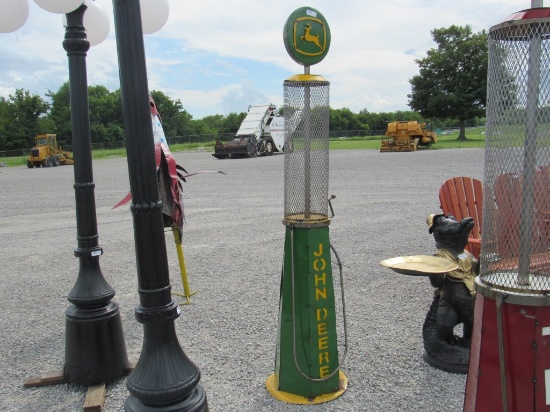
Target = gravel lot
(233,244)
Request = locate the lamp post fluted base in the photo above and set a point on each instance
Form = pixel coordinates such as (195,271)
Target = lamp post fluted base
(194,402)
(164,378)
(95,351)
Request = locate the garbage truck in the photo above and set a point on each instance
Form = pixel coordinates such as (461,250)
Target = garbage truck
(262,132)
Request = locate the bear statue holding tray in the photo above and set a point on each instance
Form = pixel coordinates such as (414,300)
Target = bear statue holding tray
(452,271)
(454,297)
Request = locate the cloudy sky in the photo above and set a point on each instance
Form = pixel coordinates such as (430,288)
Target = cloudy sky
(219,56)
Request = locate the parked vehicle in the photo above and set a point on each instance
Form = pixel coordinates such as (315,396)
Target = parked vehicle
(262,132)
(47,153)
(407,137)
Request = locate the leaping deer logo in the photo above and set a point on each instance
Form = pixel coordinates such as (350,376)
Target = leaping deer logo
(310,37)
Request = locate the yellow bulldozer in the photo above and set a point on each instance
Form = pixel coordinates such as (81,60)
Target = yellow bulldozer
(46,153)
(407,136)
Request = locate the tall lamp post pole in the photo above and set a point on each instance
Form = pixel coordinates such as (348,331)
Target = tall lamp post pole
(164,379)
(95,351)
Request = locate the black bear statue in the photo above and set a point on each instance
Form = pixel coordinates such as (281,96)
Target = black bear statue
(454,297)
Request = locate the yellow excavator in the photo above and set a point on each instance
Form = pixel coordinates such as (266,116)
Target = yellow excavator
(407,136)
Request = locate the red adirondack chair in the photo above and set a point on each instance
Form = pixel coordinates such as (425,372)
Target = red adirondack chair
(509,199)
(463,197)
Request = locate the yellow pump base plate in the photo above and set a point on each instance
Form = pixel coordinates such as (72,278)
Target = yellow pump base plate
(271,386)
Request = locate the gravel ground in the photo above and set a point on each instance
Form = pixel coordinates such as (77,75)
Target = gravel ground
(233,244)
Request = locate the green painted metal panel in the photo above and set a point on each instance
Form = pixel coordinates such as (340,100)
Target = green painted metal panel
(314,342)
(307,36)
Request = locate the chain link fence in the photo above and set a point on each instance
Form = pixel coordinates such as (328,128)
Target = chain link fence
(202,138)
(195,138)
(224,137)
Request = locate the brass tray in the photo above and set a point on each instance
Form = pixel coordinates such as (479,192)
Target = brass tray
(419,265)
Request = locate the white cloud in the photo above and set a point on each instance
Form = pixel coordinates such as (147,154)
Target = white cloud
(238,98)
(205,102)
(213,56)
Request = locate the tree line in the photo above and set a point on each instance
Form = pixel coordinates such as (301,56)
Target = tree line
(24,115)
(449,91)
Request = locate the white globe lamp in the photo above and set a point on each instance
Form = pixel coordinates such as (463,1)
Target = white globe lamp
(59,6)
(96,23)
(154,15)
(13,14)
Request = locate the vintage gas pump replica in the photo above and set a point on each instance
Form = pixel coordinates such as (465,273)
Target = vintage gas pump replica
(307,368)
(509,368)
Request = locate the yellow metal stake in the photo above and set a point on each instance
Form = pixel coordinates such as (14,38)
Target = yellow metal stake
(179,248)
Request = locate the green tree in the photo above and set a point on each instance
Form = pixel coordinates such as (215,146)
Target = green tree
(232,122)
(378,121)
(106,122)
(4,120)
(210,124)
(105,110)
(452,82)
(345,119)
(60,114)
(21,119)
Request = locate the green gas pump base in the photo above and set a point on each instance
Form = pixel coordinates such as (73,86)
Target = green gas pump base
(307,368)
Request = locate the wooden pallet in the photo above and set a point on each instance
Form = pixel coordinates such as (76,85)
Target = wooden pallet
(95,396)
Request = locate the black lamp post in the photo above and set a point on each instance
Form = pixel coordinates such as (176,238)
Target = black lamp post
(164,379)
(95,351)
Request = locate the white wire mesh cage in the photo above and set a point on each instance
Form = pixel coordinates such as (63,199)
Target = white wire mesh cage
(516,209)
(306,170)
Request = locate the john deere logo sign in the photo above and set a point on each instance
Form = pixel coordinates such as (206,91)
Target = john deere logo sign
(307,36)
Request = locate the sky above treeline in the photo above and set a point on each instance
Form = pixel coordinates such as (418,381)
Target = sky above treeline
(219,57)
